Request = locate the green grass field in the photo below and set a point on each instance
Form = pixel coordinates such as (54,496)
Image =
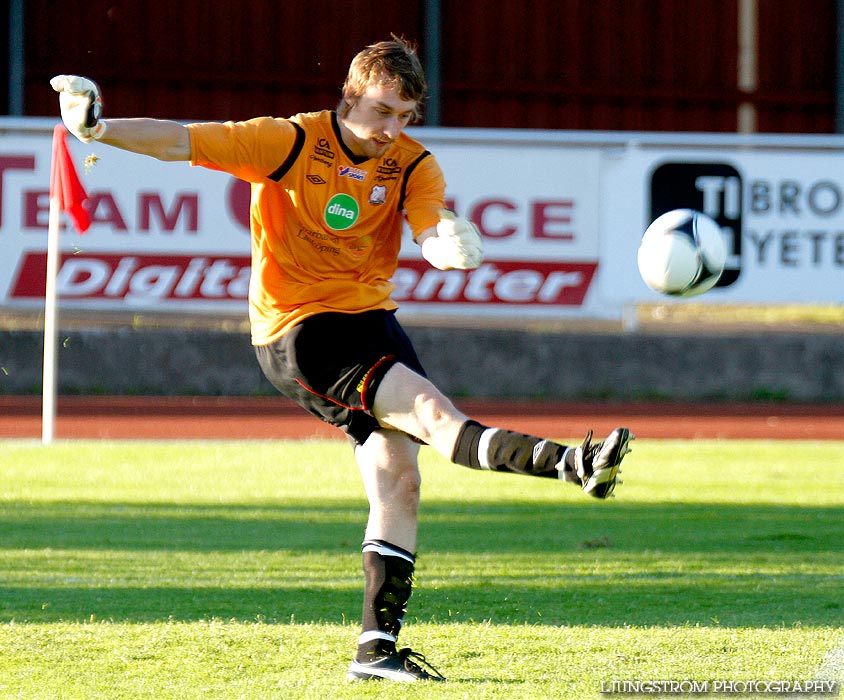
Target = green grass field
(232,570)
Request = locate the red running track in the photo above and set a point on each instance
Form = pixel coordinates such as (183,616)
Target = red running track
(268,417)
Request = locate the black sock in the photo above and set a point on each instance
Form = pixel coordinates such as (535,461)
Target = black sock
(479,447)
(465,451)
(388,570)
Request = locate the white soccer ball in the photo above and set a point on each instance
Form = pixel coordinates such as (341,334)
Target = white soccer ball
(682,253)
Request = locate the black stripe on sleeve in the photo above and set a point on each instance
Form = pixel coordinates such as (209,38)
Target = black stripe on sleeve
(298,144)
(407,173)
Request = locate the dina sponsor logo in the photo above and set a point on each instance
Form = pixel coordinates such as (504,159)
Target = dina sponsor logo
(341,212)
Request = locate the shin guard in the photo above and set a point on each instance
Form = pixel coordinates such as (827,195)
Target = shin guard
(500,450)
(389,581)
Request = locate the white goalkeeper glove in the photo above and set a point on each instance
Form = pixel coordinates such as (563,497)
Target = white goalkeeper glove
(457,245)
(81,106)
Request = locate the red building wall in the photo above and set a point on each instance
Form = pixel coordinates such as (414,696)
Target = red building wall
(662,65)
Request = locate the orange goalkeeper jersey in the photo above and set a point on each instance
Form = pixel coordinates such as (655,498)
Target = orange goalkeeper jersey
(326,224)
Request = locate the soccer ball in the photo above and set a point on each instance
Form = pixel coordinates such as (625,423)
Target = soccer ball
(682,253)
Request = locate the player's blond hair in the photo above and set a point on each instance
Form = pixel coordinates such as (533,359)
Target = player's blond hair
(392,62)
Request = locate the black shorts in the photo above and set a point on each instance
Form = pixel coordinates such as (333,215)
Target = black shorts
(331,364)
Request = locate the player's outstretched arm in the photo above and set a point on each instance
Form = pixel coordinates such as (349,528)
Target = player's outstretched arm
(81,109)
(159,138)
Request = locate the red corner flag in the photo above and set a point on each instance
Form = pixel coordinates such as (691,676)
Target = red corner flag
(65,184)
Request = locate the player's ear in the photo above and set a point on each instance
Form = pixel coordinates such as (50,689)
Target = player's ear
(345,106)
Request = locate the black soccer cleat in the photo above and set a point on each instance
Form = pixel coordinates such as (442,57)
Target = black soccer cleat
(401,666)
(598,466)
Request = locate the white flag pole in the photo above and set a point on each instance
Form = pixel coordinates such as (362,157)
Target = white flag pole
(48,414)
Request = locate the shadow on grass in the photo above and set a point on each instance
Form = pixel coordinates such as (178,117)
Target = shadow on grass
(305,526)
(746,601)
(591,564)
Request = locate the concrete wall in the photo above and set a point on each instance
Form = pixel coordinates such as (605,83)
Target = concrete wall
(480,363)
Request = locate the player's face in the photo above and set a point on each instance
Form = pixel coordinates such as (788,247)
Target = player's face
(376,120)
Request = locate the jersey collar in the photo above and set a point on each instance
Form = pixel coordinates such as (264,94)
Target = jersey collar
(335,125)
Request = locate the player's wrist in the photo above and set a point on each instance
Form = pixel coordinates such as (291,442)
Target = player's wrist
(99,129)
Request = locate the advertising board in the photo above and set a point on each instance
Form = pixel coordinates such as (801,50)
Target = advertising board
(779,202)
(561,214)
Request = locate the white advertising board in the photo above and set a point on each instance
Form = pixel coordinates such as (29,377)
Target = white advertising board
(537,208)
(779,201)
(163,237)
(561,213)
(169,237)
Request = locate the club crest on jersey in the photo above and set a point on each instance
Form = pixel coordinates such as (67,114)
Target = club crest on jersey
(341,212)
(378,195)
(349,171)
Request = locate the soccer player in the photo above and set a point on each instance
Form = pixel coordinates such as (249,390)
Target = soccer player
(330,191)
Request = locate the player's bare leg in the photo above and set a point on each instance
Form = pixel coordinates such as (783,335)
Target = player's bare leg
(412,404)
(409,402)
(390,472)
(388,465)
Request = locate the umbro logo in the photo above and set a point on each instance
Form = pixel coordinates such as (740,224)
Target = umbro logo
(315,180)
